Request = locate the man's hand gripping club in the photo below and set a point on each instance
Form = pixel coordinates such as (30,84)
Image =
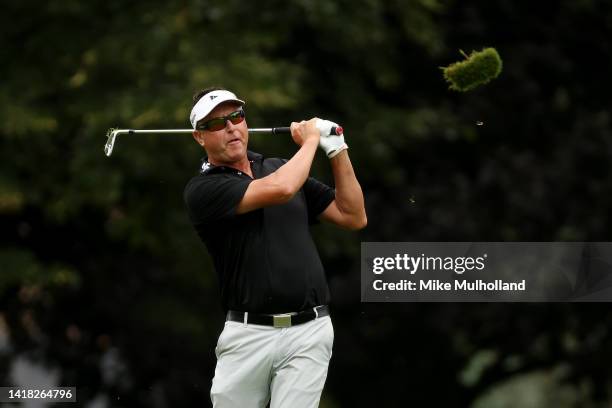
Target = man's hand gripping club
(331,144)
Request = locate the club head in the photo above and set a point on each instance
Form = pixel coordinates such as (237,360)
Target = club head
(111,135)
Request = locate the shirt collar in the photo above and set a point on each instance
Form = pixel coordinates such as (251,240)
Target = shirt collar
(208,168)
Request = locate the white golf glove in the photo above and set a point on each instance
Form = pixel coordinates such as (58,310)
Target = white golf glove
(331,144)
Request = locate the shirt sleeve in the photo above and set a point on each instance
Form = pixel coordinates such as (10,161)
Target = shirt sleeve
(318,197)
(212,198)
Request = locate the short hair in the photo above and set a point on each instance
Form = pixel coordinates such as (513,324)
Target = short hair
(199,94)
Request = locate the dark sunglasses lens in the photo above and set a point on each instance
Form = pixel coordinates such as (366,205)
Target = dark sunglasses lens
(219,123)
(236,117)
(215,124)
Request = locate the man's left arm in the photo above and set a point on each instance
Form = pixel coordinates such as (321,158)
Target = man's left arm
(348,208)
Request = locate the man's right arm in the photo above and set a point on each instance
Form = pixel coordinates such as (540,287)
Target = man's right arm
(280,186)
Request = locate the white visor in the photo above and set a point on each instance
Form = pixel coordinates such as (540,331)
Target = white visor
(208,102)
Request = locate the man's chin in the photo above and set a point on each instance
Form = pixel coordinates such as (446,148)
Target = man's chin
(235,152)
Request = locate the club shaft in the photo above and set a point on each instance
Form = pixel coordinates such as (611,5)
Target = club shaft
(276,130)
(113,133)
(154,131)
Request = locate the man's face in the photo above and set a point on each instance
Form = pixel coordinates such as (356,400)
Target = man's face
(228,145)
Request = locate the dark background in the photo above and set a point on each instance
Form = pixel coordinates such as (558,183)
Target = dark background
(104,285)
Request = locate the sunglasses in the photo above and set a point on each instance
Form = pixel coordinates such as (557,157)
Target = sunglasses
(215,124)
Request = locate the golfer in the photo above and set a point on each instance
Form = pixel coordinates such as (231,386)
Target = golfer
(253,214)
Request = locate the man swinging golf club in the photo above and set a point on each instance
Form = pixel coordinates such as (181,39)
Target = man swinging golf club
(253,214)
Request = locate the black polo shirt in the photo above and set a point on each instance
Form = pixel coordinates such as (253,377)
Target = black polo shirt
(266,259)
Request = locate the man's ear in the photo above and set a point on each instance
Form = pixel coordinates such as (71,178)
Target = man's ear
(199,137)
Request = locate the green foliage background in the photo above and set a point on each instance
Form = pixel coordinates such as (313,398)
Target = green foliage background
(98,263)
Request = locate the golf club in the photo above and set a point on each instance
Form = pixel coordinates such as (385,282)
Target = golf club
(113,133)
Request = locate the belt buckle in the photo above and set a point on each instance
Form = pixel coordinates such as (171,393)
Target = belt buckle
(282,320)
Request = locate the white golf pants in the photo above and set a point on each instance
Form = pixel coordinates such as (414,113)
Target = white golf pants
(284,366)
